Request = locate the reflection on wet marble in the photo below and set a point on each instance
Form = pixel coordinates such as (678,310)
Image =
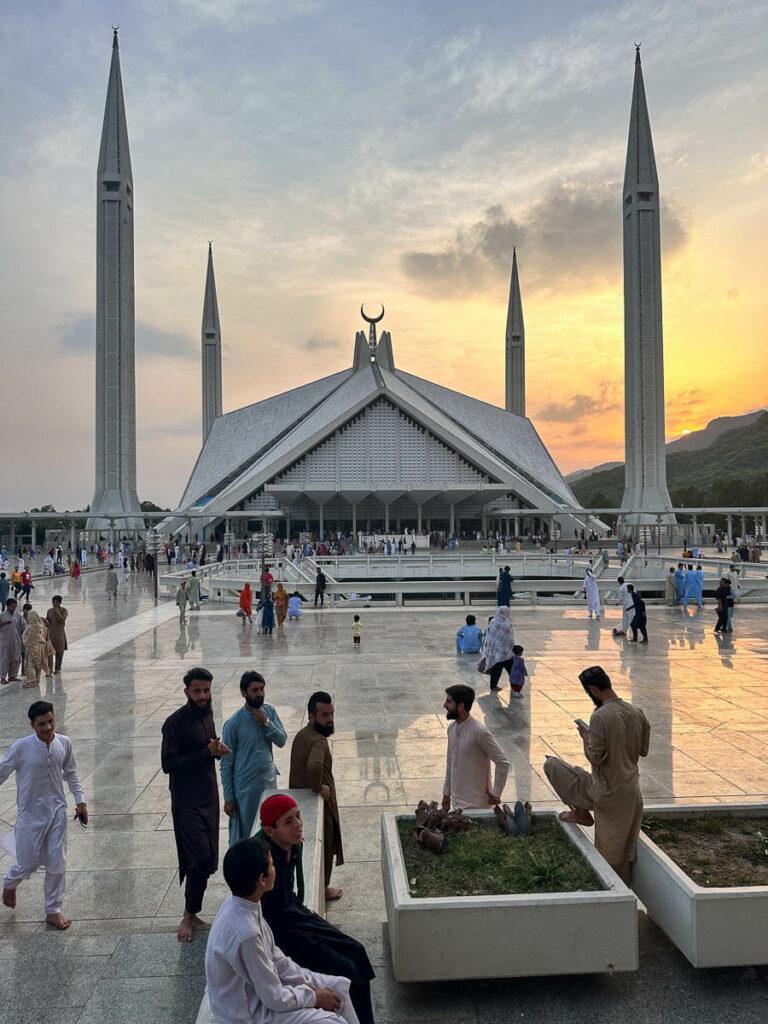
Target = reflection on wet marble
(705,696)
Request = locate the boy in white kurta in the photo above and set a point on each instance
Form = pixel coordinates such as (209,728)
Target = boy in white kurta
(42,762)
(250,980)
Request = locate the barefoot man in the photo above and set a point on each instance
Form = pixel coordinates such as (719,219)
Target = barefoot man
(189,752)
(618,735)
(42,762)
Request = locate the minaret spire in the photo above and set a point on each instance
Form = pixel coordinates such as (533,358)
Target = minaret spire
(645,471)
(211,350)
(514,400)
(115,490)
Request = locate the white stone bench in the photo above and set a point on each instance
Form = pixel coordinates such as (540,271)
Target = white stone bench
(311,807)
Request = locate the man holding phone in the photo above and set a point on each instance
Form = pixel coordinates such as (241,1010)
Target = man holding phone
(42,762)
(617,736)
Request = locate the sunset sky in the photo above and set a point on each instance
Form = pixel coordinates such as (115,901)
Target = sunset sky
(391,152)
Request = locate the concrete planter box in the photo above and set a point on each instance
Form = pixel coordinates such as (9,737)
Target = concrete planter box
(508,936)
(712,927)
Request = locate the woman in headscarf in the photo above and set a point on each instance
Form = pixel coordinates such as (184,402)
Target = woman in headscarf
(497,649)
(35,640)
(246,602)
(281,604)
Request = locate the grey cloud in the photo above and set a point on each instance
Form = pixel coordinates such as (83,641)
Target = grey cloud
(317,344)
(568,238)
(77,333)
(578,406)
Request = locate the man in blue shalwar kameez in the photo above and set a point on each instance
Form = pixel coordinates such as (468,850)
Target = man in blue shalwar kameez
(250,769)
(679,583)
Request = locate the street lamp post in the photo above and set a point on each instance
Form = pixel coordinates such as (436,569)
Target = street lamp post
(154,544)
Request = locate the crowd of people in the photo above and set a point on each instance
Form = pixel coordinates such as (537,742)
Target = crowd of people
(30,645)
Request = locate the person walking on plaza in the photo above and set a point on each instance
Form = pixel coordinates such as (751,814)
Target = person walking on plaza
(281,604)
(34,641)
(111,582)
(43,762)
(627,605)
(250,769)
(189,750)
(56,618)
(591,591)
(300,933)
(724,599)
(471,750)
(193,591)
(181,601)
(312,768)
(249,978)
(504,587)
(246,603)
(670,590)
(617,736)
(5,587)
(321,582)
(497,647)
(639,618)
(26,583)
(11,624)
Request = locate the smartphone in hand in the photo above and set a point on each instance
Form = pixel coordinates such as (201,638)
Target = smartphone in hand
(582,723)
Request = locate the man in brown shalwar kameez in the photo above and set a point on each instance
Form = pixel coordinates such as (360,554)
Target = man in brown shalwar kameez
(617,737)
(56,618)
(312,768)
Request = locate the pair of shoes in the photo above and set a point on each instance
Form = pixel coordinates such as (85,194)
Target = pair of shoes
(514,823)
(631,641)
(643,641)
(514,694)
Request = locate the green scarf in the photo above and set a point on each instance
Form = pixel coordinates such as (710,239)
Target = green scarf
(297,852)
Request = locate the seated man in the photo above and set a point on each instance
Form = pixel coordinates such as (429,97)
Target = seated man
(469,639)
(249,978)
(303,935)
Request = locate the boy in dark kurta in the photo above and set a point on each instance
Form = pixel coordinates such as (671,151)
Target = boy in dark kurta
(312,768)
(301,934)
(189,751)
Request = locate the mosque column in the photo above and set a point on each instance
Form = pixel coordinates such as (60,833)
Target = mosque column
(743,526)
(517,526)
(288,525)
(72,537)
(33,537)
(354,519)
(452,520)
(12,542)
(762,528)
(694,531)
(484,523)
(322,521)
(729,529)
(386,517)
(418,517)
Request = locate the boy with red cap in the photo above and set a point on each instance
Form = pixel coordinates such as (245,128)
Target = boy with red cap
(304,936)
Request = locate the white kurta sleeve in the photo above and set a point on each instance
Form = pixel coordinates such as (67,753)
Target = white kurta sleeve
(69,771)
(262,961)
(8,764)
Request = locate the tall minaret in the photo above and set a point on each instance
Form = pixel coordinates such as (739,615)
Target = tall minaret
(115,493)
(514,400)
(645,471)
(211,350)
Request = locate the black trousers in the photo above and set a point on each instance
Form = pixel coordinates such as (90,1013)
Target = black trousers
(640,624)
(722,620)
(195,885)
(321,595)
(497,669)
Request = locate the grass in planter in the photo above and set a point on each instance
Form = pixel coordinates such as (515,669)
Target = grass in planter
(716,849)
(483,862)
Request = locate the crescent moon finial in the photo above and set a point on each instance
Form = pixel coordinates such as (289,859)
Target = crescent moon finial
(371,320)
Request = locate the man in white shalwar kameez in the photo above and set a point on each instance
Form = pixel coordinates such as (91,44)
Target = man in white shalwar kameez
(590,589)
(627,605)
(250,980)
(42,762)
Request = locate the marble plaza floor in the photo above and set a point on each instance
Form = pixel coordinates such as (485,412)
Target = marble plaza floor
(120,962)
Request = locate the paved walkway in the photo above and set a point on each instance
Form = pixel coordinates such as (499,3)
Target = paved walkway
(120,961)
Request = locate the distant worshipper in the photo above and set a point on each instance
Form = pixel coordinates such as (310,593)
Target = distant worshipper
(592,593)
(110,583)
(250,980)
(679,583)
(34,641)
(193,591)
(639,618)
(304,936)
(56,616)
(498,646)
(471,749)
(519,672)
(617,736)
(725,601)
(321,582)
(504,587)
(250,769)
(294,605)
(312,768)
(189,749)
(469,639)
(694,586)
(182,597)
(670,590)
(43,762)
(245,611)
(10,642)
(5,587)
(357,632)
(281,604)
(627,605)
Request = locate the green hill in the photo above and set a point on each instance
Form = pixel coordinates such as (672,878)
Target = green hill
(733,470)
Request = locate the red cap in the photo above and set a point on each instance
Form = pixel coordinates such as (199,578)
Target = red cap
(275,807)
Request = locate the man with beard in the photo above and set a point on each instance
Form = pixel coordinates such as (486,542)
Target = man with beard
(312,768)
(190,747)
(471,749)
(302,935)
(251,769)
(617,736)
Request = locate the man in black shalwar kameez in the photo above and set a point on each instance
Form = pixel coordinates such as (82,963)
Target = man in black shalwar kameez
(189,753)
(301,934)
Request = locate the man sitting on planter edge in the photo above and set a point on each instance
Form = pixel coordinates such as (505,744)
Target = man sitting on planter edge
(618,735)
(301,934)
